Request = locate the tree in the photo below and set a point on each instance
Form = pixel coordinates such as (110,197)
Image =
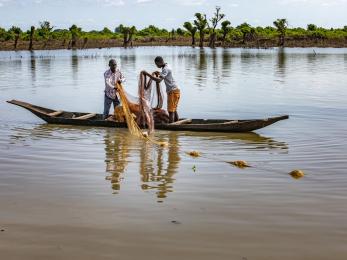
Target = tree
(45,31)
(180,32)
(173,32)
(128,33)
(214,22)
(226,28)
(16,31)
(3,34)
(192,30)
(311,27)
(75,34)
(248,32)
(281,25)
(201,24)
(152,30)
(106,31)
(31,37)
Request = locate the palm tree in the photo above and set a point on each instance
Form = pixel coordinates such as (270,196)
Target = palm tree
(214,21)
(192,30)
(45,31)
(32,31)
(128,33)
(226,28)
(75,34)
(16,31)
(132,31)
(201,24)
(281,25)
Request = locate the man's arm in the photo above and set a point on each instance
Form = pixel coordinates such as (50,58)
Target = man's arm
(121,78)
(156,79)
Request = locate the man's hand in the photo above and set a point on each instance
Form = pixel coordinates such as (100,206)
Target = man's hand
(156,73)
(116,86)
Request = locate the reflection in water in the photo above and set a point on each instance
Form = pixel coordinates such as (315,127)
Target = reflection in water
(246,141)
(74,65)
(246,59)
(226,63)
(216,70)
(201,69)
(117,153)
(313,60)
(33,68)
(281,62)
(154,175)
(45,65)
(157,165)
(128,61)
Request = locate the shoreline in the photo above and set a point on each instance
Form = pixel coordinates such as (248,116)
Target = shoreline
(112,43)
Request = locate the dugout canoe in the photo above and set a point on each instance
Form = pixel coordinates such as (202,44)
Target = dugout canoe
(199,125)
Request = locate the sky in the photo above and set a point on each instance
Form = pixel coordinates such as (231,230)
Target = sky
(97,14)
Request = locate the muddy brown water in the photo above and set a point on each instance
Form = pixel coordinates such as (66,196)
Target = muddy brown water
(94,193)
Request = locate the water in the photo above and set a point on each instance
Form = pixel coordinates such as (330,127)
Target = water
(78,192)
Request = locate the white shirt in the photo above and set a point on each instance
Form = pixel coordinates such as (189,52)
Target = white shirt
(110,82)
(166,74)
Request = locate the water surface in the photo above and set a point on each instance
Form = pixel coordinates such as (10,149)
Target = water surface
(80,192)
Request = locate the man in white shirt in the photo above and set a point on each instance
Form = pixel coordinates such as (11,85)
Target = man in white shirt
(112,76)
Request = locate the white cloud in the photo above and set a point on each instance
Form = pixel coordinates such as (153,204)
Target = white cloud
(143,1)
(314,2)
(192,2)
(111,2)
(3,2)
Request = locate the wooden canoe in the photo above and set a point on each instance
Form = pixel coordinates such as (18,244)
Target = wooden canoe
(199,125)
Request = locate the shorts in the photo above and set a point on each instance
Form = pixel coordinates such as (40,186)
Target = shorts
(173,97)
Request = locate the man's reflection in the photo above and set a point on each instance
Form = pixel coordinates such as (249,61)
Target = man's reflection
(159,165)
(117,153)
(154,175)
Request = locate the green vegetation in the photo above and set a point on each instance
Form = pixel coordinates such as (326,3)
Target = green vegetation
(212,32)
(201,24)
(281,25)
(15,33)
(128,33)
(212,29)
(191,29)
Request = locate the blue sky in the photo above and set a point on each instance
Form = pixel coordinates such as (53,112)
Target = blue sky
(96,14)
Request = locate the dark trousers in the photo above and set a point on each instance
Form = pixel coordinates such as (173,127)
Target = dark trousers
(107,105)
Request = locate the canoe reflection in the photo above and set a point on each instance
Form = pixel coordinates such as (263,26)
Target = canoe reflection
(159,165)
(128,156)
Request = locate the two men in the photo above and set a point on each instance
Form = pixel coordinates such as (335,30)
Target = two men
(114,75)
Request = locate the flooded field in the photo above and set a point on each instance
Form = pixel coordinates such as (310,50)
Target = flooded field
(98,193)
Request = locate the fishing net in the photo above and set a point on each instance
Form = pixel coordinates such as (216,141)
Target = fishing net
(143,111)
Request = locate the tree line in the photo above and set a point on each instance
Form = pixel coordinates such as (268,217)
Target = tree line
(211,32)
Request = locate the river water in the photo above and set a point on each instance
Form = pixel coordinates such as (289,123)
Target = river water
(94,193)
